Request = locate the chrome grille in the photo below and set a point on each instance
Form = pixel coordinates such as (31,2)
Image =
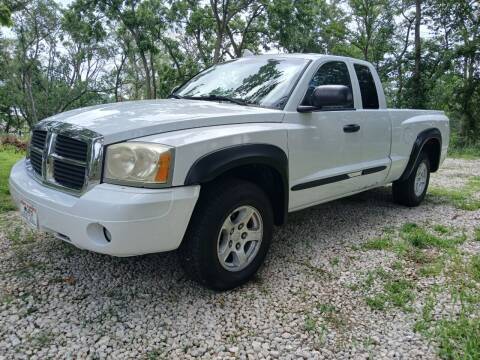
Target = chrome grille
(71,148)
(38,139)
(69,175)
(36,161)
(65,157)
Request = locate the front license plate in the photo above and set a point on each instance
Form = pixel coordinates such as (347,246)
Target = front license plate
(29,214)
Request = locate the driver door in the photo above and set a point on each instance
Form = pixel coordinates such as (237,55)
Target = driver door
(326,156)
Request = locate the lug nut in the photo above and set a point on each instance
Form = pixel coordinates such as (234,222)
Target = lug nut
(237,246)
(231,231)
(244,235)
(230,243)
(240,227)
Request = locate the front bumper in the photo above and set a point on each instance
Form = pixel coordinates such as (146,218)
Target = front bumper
(139,221)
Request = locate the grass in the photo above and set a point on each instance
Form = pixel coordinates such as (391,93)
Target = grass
(380,243)
(474,267)
(419,237)
(156,354)
(431,251)
(310,324)
(423,324)
(19,236)
(433,269)
(399,292)
(425,249)
(331,315)
(326,308)
(461,149)
(434,251)
(376,302)
(8,156)
(42,339)
(396,293)
(335,261)
(418,245)
(463,198)
(467,153)
(459,338)
(442,229)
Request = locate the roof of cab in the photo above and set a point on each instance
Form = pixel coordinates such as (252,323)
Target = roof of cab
(292,55)
(310,56)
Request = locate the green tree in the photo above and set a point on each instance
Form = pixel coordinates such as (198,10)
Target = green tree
(426,52)
(5,15)
(50,66)
(307,26)
(372,28)
(454,67)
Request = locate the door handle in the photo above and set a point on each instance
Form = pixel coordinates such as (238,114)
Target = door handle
(351,128)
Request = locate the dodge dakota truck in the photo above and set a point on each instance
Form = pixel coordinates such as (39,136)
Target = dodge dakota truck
(210,170)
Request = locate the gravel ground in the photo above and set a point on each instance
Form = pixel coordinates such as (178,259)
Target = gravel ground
(61,302)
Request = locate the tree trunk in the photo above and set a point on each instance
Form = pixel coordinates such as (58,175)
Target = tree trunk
(417,76)
(33,109)
(147,74)
(400,86)
(218,45)
(418,16)
(154,83)
(220,27)
(9,122)
(117,77)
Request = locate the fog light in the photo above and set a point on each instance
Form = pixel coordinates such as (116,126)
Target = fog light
(98,234)
(107,234)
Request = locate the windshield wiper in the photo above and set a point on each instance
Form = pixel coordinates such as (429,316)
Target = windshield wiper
(216,98)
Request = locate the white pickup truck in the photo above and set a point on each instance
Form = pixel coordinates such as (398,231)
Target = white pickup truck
(212,169)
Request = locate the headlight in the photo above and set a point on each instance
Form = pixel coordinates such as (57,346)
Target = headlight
(138,164)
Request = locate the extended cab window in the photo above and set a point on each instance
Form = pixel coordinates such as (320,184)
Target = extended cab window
(330,73)
(367,87)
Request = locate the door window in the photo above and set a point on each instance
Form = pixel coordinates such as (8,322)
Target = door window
(330,73)
(367,87)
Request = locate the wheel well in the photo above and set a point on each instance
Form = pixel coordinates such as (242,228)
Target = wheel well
(428,141)
(433,149)
(268,179)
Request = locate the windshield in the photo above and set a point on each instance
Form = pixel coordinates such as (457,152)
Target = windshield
(252,80)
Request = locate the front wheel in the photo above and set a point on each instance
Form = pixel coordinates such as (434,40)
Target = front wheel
(229,234)
(412,191)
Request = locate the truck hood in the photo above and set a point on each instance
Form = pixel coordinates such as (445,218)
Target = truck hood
(133,119)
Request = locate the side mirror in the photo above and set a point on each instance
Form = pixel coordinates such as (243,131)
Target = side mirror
(329,97)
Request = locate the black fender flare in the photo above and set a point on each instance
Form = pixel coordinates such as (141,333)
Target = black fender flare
(218,162)
(420,141)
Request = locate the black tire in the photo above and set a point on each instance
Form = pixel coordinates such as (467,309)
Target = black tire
(198,252)
(404,191)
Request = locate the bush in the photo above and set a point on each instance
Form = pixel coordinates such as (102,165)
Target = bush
(459,148)
(14,141)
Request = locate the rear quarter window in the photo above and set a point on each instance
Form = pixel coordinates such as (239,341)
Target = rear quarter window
(367,87)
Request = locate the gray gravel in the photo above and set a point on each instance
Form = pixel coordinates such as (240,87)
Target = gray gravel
(60,302)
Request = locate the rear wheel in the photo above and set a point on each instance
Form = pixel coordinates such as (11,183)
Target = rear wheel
(412,191)
(229,234)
